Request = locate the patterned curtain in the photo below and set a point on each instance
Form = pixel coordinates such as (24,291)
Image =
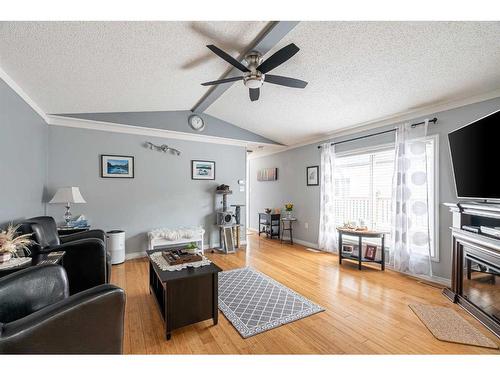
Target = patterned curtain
(410,250)
(327,239)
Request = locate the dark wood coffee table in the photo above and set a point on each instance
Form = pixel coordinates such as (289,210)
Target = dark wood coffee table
(185,297)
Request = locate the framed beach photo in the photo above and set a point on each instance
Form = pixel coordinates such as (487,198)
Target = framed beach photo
(312,175)
(202,170)
(117,166)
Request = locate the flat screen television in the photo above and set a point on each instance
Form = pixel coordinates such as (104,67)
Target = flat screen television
(475,155)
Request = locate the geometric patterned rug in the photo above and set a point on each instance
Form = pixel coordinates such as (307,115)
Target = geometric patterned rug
(254,302)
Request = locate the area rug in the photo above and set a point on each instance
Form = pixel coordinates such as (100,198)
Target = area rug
(446,325)
(254,302)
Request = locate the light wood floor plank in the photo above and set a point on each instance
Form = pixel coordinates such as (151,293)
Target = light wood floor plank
(366,311)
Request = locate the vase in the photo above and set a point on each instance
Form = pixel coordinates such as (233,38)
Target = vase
(288,214)
(4,257)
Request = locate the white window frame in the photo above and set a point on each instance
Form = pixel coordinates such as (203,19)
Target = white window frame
(387,146)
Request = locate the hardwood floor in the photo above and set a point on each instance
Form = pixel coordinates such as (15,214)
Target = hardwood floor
(366,311)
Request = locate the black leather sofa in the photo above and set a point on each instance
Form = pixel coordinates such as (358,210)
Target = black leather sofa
(86,260)
(37,315)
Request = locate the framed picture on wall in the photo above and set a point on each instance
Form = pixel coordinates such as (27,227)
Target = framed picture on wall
(202,170)
(267,174)
(117,166)
(312,175)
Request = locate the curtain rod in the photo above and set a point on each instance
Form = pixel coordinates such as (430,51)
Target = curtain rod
(434,120)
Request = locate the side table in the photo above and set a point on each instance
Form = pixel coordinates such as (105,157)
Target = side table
(268,223)
(288,228)
(64,231)
(39,260)
(361,234)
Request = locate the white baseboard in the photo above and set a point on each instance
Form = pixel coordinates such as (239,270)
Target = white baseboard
(296,240)
(306,243)
(435,279)
(137,255)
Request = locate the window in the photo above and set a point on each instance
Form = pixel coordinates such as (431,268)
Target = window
(363,190)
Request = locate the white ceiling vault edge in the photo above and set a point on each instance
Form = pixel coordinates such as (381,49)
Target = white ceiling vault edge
(19,91)
(72,122)
(390,120)
(122,128)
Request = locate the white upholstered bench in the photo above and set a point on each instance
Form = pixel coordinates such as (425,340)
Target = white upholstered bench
(169,236)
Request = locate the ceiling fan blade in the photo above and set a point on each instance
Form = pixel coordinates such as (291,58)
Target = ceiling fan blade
(254,94)
(231,60)
(285,81)
(278,58)
(225,80)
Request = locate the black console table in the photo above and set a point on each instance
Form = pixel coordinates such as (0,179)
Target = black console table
(269,224)
(362,234)
(475,278)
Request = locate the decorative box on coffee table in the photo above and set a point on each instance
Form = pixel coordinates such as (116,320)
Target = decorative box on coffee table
(186,296)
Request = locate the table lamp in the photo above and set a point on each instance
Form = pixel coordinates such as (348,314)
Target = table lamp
(68,195)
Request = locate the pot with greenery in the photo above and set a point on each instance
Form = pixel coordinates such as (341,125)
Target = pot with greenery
(289,210)
(192,248)
(11,243)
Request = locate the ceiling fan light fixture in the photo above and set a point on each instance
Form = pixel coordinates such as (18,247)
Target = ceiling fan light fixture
(254,72)
(253,82)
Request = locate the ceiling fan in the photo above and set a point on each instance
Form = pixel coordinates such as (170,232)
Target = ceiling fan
(255,73)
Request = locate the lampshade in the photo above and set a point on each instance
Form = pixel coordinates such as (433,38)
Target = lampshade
(69,194)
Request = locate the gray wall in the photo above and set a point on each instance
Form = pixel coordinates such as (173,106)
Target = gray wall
(175,121)
(291,185)
(23,161)
(162,193)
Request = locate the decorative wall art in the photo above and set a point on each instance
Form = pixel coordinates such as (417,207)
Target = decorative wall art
(117,166)
(267,174)
(312,175)
(202,170)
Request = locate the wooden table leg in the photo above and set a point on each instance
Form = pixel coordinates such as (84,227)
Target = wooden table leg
(168,318)
(360,252)
(215,301)
(340,248)
(383,252)
(238,236)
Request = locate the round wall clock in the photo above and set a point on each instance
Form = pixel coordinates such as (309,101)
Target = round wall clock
(196,123)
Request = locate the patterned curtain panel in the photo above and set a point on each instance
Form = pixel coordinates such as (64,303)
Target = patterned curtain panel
(411,238)
(327,239)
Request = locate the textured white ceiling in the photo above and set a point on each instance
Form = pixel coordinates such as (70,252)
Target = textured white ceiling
(73,67)
(357,71)
(363,71)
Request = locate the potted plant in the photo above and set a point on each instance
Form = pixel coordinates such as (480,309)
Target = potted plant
(192,248)
(11,243)
(289,209)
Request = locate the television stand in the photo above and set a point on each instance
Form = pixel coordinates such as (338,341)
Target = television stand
(475,278)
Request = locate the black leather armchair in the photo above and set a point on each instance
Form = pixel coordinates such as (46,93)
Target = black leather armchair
(37,315)
(86,261)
